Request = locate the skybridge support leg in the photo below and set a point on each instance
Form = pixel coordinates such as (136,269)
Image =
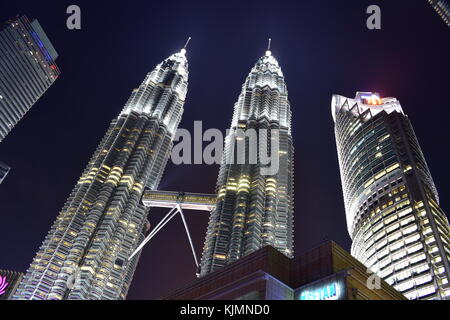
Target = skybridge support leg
(176,210)
(189,235)
(160,225)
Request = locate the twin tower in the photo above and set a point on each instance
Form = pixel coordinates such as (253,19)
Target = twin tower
(392,206)
(86,254)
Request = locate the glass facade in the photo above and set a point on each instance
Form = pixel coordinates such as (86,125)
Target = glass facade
(392,205)
(254,210)
(27,69)
(85,254)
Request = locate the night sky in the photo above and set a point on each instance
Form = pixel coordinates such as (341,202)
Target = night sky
(323,48)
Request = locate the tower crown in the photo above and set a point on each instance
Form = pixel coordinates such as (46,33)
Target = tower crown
(170,77)
(177,62)
(268,63)
(365,101)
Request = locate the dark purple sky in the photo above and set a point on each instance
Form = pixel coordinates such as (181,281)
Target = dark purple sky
(323,47)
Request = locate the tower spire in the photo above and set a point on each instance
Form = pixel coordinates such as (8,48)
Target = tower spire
(268,52)
(185,46)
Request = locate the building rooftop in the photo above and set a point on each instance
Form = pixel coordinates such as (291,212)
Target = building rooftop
(319,263)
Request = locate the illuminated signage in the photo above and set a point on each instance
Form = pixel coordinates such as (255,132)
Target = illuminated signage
(328,292)
(3,285)
(372,99)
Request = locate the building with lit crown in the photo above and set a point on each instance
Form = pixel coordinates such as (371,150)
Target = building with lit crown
(254,210)
(392,205)
(27,69)
(85,255)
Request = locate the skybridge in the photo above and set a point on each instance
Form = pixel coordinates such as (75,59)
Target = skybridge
(187,201)
(177,202)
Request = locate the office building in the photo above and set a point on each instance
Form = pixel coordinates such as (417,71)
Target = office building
(27,69)
(392,206)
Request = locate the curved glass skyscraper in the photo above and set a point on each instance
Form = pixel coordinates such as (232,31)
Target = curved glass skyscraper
(85,254)
(254,208)
(392,206)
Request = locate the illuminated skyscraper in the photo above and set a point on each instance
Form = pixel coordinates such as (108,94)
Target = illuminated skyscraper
(85,254)
(392,206)
(442,7)
(254,209)
(27,69)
